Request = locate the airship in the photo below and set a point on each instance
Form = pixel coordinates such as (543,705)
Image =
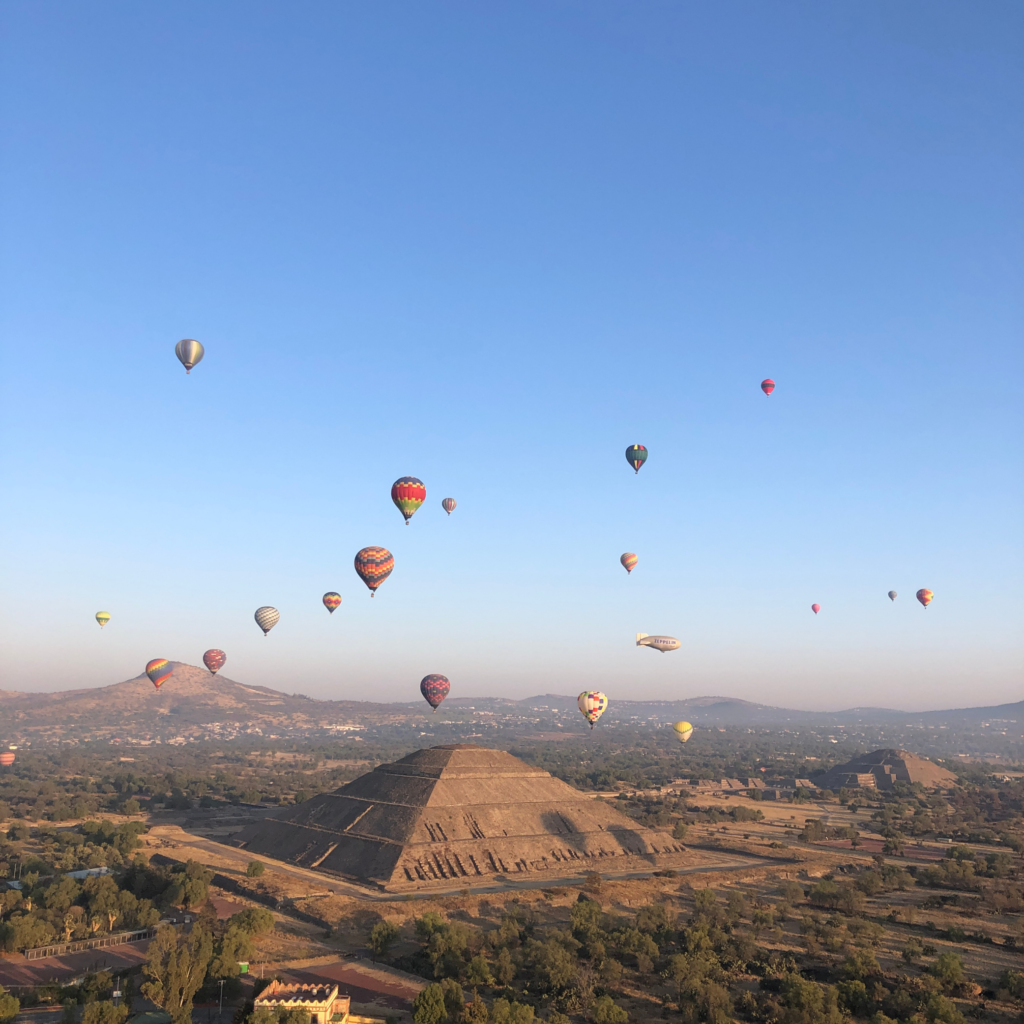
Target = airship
(658,643)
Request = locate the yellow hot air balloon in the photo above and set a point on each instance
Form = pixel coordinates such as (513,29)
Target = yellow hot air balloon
(102,618)
(683,731)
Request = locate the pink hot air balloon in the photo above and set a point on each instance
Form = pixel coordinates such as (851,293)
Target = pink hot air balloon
(815,608)
(767,385)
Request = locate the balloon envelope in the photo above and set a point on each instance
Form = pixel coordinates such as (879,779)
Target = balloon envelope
(266,618)
(7,758)
(592,705)
(374,566)
(449,505)
(331,601)
(102,618)
(892,595)
(434,689)
(925,596)
(683,731)
(214,660)
(815,608)
(408,494)
(628,561)
(658,643)
(159,671)
(189,352)
(636,456)
(768,385)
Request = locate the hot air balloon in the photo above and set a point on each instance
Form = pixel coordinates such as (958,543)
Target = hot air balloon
(636,456)
(768,385)
(449,505)
(408,494)
(267,618)
(189,352)
(592,705)
(628,561)
(102,618)
(159,671)
(331,601)
(7,758)
(683,731)
(434,689)
(892,595)
(925,596)
(374,566)
(214,660)
(815,608)
(658,643)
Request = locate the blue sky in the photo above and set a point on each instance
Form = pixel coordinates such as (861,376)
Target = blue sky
(490,245)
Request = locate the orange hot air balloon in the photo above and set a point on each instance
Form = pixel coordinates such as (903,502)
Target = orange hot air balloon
(159,671)
(628,561)
(768,385)
(925,596)
(7,758)
(815,608)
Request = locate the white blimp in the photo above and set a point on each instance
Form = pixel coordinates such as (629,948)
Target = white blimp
(658,643)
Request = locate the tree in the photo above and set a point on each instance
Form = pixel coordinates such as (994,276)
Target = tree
(949,969)
(454,998)
(383,936)
(478,972)
(176,968)
(254,869)
(680,830)
(504,1012)
(9,1006)
(428,1007)
(104,1013)
(605,1011)
(504,969)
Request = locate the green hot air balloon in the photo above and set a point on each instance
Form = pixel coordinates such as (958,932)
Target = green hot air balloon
(636,456)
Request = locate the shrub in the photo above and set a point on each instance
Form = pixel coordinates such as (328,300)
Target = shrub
(254,869)
(605,1011)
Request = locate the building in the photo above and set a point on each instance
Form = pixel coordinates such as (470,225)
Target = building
(882,769)
(322,1002)
(458,814)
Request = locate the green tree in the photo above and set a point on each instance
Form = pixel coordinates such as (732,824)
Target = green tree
(383,936)
(454,998)
(605,1011)
(104,1012)
(428,1007)
(680,830)
(254,869)
(9,1006)
(505,1012)
(176,968)
(504,969)
(949,969)
(478,972)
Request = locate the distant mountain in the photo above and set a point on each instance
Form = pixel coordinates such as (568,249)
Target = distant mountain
(193,705)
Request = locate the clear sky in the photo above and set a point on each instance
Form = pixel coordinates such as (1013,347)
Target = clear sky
(490,245)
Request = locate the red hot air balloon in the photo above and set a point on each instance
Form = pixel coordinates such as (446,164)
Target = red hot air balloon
(815,608)
(434,689)
(408,493)
(449,505)
(925,596)
(374,565)
(332,601)
(214,660)
(768,385)
(7,758)
(159,671)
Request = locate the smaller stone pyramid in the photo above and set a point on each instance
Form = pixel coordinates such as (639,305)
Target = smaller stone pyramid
(882,769)
(456,813)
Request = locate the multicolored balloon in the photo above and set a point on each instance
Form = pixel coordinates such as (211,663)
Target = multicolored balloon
(892,595)
(214,660)
(592,705)
(189,352)
(628,561)
(925,596)
(434,689)
(815,608)
(102,618)
(768,385)
(7,758)
(408,494)
(159,671)
(449,505)
(332,601)
(683,731)
(266,618)
(636,456)
(374,566)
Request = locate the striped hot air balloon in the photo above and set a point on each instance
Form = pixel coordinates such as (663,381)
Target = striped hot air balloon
(925,596)
(374,566)
(434,689)
(214,660)
(592,705)
(628,561)
(636,456)
(408,494)
(683,731)
(159,671)
(332,601)
(189,352)
(449,505)
(102,618)
(266,618)
(768,385)
(7,758)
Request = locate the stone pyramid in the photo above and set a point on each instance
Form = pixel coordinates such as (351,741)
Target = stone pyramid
(454,814)
(882,769)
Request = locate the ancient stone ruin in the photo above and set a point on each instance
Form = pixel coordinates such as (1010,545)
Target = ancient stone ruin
(457,814)
(882,769)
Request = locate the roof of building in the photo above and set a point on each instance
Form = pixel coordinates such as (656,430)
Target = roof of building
(278,991)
